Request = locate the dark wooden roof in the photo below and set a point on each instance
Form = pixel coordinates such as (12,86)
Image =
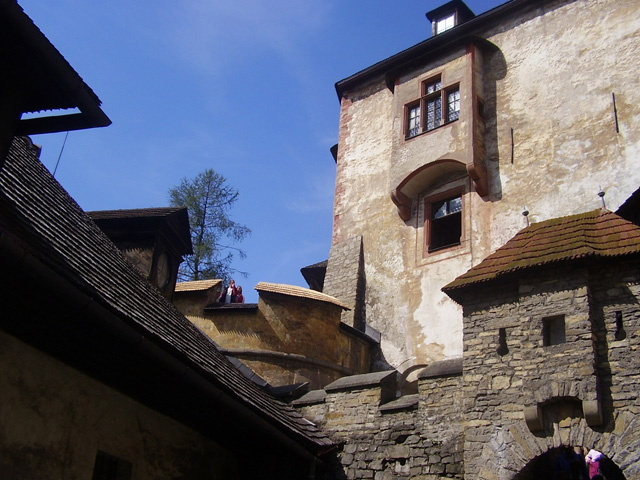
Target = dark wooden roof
(136,224)
(596,234)
(314,275)
(630,209)
(34,67)
(134,213)
(55,230)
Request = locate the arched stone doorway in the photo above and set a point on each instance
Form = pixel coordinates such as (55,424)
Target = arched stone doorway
(564,463)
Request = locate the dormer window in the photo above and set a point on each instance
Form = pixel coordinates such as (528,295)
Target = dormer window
(445,23)
(449,15)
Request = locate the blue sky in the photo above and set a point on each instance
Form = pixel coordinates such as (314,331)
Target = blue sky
(243,87)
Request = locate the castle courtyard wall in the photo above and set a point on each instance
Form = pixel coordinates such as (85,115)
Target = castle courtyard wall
(549,75)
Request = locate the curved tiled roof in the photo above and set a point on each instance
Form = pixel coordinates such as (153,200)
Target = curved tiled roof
(59,233)
(197,285)
(300,292)
(599,233)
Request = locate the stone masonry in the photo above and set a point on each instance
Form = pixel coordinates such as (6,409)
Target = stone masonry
(383,438)
(345,280)
(524,398)
(523,392)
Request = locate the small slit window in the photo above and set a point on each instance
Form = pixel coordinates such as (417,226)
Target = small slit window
(553,331)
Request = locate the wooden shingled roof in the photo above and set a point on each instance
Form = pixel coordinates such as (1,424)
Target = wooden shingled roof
(299,292)
(36,209)
(47,81)
(134,213)
(599,233)
(197,285)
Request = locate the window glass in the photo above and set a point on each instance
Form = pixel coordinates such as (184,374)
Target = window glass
(455,205)
(432,87)
(437,106)
(434,113)
(414,121)
(439,209)
(453,109)
(445,23)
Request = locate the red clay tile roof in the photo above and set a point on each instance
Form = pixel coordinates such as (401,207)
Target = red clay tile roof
(47,219)
(599,233)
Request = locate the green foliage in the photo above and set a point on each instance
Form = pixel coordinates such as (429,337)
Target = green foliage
(208,199)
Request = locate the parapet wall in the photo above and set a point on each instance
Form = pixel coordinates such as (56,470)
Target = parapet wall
(383,437)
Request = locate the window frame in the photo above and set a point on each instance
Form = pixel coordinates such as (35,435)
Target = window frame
(429,202)
(440,95)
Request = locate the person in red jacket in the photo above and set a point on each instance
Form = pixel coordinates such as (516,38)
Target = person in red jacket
(239,296)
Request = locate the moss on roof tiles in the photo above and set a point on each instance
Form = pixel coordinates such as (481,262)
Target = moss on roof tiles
(599,233)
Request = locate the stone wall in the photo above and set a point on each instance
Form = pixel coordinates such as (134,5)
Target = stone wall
(345,280)
(383,437)
(524,398)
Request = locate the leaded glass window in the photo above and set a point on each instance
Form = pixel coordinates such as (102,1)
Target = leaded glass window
(414,121)
(434,113)
(437,106)
(453,102)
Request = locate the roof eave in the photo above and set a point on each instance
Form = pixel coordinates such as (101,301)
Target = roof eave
(453,38)
(63,75)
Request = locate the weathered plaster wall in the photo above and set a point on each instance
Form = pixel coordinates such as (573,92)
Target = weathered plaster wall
(561,381)
(547,85)
(53,420)
(193,303)
(288,340)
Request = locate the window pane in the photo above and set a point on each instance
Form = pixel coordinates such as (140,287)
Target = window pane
(434,113)
(455,205)
(445,24)
(439,209)
(453,109)
(433,87)
(414,121)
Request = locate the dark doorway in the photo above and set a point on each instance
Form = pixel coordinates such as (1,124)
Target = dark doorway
(563,463)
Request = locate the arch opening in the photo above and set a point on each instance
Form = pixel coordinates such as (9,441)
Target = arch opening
(570,463)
